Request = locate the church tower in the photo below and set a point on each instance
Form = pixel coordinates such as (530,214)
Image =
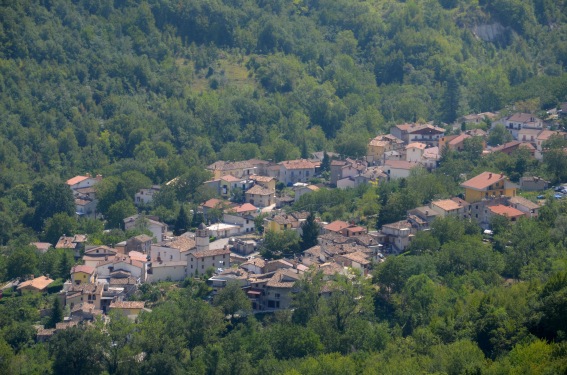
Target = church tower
(202,238)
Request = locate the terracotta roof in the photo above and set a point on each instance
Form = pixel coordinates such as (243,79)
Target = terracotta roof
(210,253)
(283,279)
(522,117)
(419,145)
(460,201)
(284,219)
(86,190)
(41,246)
(181,243)
(82,268)
(446,204)
(230,178)
(544,135)
(431,153)
(142,238)
(458,139)
(258,262)
(136,255)
(336,226)
(260,190)
(400,164)
(82,202)
(65,243)
(246,207)
(38,283)
(524,202)
(357,257)
(128,305)
(355,228)
(76,180)
(425,128)
(483,181)
(214,203)
(507,211)
(298,164)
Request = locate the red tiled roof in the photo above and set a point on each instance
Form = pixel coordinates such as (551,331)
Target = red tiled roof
(76,180)
(336,226)
(83,268)
(38,283)
(507,211)
(483,181)
(245,208)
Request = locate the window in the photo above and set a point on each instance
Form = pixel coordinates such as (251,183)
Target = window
(277,295)
(202,266)
(213,258)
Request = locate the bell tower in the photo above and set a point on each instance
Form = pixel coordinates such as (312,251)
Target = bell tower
(202,238)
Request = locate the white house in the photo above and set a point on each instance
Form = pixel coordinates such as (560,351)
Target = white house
(152,223)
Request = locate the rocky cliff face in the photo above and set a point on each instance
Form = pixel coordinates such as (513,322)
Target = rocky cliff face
(490,32)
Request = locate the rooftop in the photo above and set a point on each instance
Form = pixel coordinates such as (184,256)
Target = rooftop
(38,283)
(83,268)
(507,211)
(446,204)
(336,226)
(298,164)
(483,181)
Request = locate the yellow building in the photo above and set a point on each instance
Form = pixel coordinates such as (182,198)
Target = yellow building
(488,185)
(83,274)
(381,144)
(37,285)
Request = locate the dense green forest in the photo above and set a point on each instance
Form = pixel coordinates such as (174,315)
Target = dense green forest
(146,91)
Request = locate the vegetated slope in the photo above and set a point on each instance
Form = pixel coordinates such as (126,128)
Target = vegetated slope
(147,85)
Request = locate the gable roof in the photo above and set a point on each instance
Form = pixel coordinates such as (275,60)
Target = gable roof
(259,190)
(400,164)
(419,145)
(38,283)
(245,207)
(75,180)
(83,268)
(298,164)
(446,204)
(523,202)
(336,226)
(210,253)
(483,181)
(507,211)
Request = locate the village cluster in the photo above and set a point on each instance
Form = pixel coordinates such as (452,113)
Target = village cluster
(108,276)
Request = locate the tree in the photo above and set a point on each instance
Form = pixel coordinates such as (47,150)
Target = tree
(58,225)
(232,299)
(49,197)
(56,314)
(325,163)
(22,262)
(76,351)
(306,302)
(310,232)
(280,243)
(499,135)
(182,222)
(118,212)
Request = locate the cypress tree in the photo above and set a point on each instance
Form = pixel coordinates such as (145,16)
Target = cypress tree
(310,232)
(182,222)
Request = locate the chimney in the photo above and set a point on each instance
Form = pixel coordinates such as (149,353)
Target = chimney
(501,175)
(489,176)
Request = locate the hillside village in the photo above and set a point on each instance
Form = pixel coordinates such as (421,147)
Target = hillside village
(256,196)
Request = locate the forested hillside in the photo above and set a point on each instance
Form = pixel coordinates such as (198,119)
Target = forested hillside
(158,86)
(142,92)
